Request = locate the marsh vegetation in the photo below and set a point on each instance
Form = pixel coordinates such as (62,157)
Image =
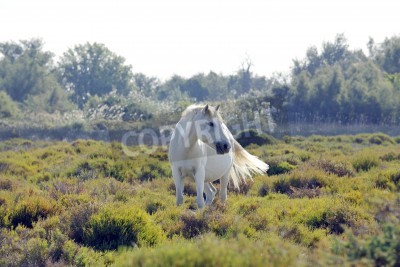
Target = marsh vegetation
(327,200)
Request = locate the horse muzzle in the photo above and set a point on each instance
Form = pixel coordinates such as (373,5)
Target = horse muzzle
(222,147)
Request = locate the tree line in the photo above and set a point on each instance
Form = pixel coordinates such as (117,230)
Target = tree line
(333,83)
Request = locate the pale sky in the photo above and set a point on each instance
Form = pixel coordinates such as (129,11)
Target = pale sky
(161,38)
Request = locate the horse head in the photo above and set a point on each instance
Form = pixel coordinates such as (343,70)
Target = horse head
(210,129)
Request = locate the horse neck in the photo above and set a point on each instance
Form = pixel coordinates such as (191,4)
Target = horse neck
(184,137)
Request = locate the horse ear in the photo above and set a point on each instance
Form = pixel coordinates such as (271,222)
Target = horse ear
(217,108)
(206,109)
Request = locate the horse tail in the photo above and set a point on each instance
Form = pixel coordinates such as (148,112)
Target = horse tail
(244,165)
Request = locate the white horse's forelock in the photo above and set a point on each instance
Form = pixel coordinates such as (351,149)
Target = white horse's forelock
(193,109)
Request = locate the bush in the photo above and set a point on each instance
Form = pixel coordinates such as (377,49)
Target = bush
(36,254)
(263,190)
(31,210)
(115,226)
(338,168)
(194,224)
(2,216)
(388,179)
(365,161)
(213,251)
(300,179)
(153,170)
(276,168)
(391,156)
(92,168)
(380,138)
(382,249)
(8,108)
(74,221)
(6,184)
(153,206)
(336,217)
(248,137)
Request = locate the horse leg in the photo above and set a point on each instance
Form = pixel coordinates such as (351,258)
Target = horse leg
(210,192)
(199,178)
(179,184)
(223,192)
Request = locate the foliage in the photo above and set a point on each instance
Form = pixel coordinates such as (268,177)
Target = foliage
(365,161)
(115,226)
(54,212)
(381,250)
(279,167)
(8,108)
(337,84)
(248,137)
(92,69)
(211,251)
(27,75)
(31,210)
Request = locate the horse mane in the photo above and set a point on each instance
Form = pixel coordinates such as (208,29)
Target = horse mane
(191,110)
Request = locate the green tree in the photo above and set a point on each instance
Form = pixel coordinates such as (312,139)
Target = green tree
(146,85)
(336,51)
(8,108)
(194,89)
(171,89)
(92,69)
(26,69)
(388,55)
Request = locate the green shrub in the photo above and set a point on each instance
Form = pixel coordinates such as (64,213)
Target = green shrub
(391,156)
(194,224)
(276,168)
(6,184)
(365,161)
(336,217)
(115,226)
(213,251)
(154,205)
(248,137)
(3,215)
(69,251)
(382,249)
(301,178)
(74,220)
(304,192)
(317,138)
(16,167)
(263,190)
(338,168)
(300,234)
(57,241)
(380,138)
(94,167)
(8,108)
(388,179)
(31,210)
(36,253)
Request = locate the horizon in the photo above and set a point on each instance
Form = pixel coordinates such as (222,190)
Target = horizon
(189,37)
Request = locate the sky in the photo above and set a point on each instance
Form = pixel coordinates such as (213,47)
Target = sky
(185,37)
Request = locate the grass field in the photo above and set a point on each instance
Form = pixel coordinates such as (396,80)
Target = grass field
(325,201)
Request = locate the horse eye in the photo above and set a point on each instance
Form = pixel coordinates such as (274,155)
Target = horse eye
(211,124)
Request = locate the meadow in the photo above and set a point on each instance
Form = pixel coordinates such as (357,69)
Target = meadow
(326,200)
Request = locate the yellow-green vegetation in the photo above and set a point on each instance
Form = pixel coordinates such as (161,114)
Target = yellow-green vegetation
(327,200)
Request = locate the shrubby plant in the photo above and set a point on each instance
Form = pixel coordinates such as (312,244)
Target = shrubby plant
(49,208)
(115,226)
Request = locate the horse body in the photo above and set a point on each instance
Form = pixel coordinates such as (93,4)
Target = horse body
(203,148)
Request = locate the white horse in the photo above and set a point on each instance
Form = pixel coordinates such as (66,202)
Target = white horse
(202,147)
